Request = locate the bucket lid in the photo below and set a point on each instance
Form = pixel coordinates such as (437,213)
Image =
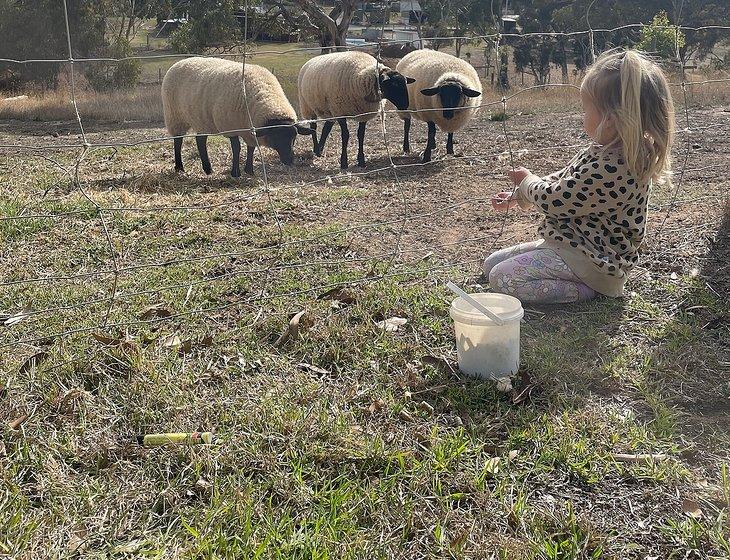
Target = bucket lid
(507,307)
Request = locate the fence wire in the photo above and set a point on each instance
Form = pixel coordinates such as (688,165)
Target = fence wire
(271,258)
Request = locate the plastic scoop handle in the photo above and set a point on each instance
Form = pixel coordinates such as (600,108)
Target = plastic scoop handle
(474,303)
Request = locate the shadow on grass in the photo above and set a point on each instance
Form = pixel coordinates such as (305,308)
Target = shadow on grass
(562,352)
(171,182)
(716,268)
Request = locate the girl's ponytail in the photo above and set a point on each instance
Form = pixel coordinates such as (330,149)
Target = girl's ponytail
(629,122)
(629,88)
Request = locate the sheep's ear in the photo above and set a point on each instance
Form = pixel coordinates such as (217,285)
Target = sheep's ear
(409,80)
(429,92)
(304,130)
(470,92)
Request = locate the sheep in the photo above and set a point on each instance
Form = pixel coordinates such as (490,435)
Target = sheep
(334,86)
(206,95)
(446,88)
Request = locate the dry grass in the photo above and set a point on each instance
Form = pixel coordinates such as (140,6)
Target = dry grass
(141,104)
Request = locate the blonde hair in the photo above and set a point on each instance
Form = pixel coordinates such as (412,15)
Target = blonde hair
(630,88)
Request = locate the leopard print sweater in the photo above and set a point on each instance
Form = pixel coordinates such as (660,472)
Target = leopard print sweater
(595,216)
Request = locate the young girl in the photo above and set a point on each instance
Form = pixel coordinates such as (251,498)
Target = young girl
(595,207)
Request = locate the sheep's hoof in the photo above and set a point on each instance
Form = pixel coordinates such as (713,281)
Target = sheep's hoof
(208,170)
(179,169)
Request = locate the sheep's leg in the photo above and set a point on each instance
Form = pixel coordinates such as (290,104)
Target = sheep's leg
(450,143)
(236,150)
(431,143)
(249,160)
(345,140)
(360,144)
(177,142)
(407,136)
(202,142)
(313,126)
(322,139)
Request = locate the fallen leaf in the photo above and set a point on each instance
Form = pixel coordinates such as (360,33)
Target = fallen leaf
(62,403)
(155,311)
(15,424)
(439,363)
(313,369)
(392,324)
(405,415)
(171,341)
(691,508)
(341,294)
(492,465)
(297,325)
(17,317)
(105,338)
(202,486)
(512,455)
(425,407)
(34,361)
(376,406)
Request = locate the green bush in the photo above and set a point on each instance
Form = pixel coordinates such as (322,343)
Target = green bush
(660,38)
(105,76)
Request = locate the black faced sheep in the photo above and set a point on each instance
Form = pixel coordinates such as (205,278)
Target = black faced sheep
(206,95)
(445,94)
(347,84)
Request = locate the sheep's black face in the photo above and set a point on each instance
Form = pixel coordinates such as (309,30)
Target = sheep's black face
(450,95)
(393,85)
(281,136)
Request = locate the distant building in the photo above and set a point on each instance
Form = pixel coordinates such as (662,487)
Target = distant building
(165,27)
(411,12)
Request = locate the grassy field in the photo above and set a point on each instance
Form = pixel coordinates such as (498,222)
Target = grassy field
(346,440)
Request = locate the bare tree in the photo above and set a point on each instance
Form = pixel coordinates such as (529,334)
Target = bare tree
(331,24)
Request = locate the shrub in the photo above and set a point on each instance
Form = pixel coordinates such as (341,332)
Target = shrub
(105,76)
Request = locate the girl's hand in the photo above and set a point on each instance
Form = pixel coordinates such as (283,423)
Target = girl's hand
(518,174)
(503,201)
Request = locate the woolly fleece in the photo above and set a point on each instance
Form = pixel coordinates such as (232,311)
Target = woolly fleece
(432,69)
(206,95)
(340,84)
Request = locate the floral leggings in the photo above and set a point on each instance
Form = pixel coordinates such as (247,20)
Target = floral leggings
(534,274)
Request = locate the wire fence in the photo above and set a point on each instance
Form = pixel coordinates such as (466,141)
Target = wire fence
(282,251)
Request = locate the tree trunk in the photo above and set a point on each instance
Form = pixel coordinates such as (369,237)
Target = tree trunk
(419,27)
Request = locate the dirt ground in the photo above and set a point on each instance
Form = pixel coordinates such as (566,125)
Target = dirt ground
(349,410)
(441,208)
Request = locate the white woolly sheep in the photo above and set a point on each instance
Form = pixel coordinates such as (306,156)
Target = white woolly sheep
(206,95)
(444,94)
(334,86)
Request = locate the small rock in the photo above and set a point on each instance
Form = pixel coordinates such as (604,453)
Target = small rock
(504,384)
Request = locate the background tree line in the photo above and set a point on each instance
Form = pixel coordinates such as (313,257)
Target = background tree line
(34,29)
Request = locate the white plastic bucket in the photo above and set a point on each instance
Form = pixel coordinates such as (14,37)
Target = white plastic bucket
(485,349)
